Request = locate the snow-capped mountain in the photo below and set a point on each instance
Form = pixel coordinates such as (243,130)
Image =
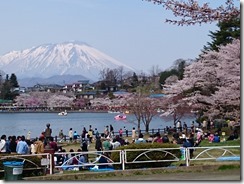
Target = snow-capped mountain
(68,58)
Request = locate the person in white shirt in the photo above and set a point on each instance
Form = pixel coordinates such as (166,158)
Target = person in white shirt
(115,143)
(3,144)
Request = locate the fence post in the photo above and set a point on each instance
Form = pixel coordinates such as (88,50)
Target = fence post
(123,159)
(152,131)
(51,158)
(159,130)
(187,156)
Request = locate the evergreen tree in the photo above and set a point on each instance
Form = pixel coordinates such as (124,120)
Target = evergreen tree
(7,92)
(228,30)
(13,80)
(134,80)
(181,68)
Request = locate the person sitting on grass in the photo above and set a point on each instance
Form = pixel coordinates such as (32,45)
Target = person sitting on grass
(216,137)
(157,138)
(140,139)
(233,136)
(211,138)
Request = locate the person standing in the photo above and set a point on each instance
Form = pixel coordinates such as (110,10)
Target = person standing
(70,135)
(28,136)
(98,144)
(84,147)
(22,146)
(83,134)
(3,144)
(8,144)
(111,130)
(90,133)
(133,133)
(61,136)
(13,144)
(48,133)
(179,126)
(120,132)
(39,146)
(106,131)
(96,133)
(126,131)
(185,127)
(75,136)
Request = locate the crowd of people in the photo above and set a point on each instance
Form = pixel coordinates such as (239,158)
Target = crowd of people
(106,141)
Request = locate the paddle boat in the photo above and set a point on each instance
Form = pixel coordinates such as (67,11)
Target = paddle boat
(63,113)
(120,117)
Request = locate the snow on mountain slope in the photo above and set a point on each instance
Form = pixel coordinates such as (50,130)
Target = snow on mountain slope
(75,58)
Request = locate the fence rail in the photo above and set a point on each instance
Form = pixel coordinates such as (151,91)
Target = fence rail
(217,153)
(125,134)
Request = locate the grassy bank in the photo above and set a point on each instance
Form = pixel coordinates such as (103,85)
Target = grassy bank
(221,170)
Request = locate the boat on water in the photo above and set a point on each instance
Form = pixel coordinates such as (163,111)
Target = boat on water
(120,117)
(63,113)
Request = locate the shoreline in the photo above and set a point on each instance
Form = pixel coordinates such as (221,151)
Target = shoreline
(72,111)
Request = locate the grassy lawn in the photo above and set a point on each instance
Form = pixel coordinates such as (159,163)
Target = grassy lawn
(205,143)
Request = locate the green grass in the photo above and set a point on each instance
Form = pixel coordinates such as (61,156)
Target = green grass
(205,143)
(225,167)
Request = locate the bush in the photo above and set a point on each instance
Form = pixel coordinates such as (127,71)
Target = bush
(151,155)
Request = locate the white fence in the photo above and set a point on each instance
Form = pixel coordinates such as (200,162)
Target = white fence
(215,153)
(221,153)
(52,161)
(46,160)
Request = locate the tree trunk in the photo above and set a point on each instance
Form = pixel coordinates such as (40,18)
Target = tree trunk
(139,125)
(147,127)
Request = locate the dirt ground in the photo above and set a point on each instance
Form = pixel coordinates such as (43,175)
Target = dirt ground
(208,173)
(226,175)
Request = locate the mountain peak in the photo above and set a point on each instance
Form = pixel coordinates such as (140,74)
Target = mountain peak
(70,57)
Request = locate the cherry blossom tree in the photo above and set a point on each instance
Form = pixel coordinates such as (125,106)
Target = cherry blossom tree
(143,107)
(80,103)
(33,99)
(212,83)
(60,101)
(27,100)
(175,107)
(44,99)
(191,12)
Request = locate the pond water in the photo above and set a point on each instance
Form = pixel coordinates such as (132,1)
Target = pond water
(21,123)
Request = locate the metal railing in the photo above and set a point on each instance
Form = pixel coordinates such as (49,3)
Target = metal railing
(46,160)
(91,159)
(50,160)
(215,153)
(201,153)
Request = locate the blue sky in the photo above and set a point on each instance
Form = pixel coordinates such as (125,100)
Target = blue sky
(131,31)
